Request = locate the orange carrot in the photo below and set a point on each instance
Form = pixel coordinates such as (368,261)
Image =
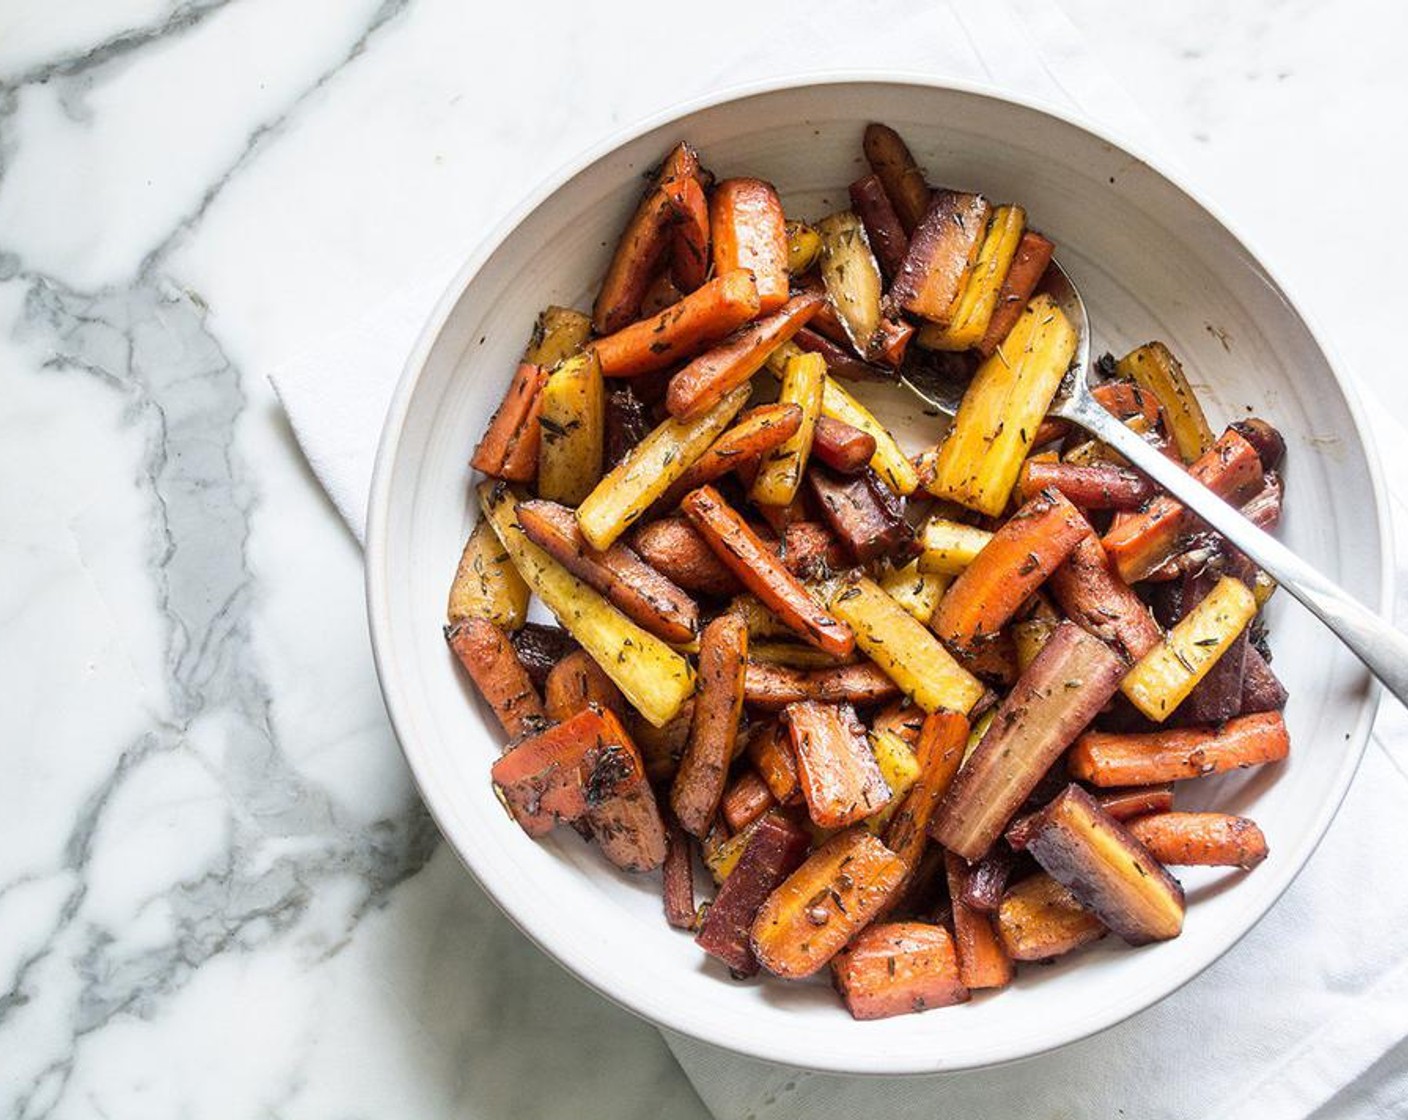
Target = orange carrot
(773,687)
(770,750)
(982,961)
(509,447)
(763,573)
(1177,754)
(674,549)
(642,245)
(1126,803)
(711,376)
(705,315)
(752,436)
(940,752)
(1013,564)
(903,719)
(746,800)
(841,780)
(699,782)
(677,878)
(896,969)
(750,231)
(1092,593)
(1032,257)
(491,661)
(1206,839)
(1137,545)
(576,683)
(689,251)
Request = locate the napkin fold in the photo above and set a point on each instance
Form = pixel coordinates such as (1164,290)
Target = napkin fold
(1301,1008)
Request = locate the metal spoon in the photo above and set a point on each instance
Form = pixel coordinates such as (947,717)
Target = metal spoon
(1382,648)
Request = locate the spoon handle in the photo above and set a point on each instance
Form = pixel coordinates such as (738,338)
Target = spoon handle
(1382,648)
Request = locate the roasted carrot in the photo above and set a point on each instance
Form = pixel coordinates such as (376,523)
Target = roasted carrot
(633,586)
(704,382)
(718,704)
(749,231)
(633,265)
(842,447)
(982,961)
(672,547)
(752,436)
(770,750)
(890,159)
(575,684)
(1092,594)
(774,849)
(663,747)
(808,548)
(821,905)
(746,800)
(677,877)
(1175,755)
(942,249)
(1124,803)
(841,361)
(1040,919)
(661,294)
(986,879)
(1013,564)
(763,573)
(1028,266)
(773,687)
(898,968)
(707,314)
(840,779)
(864,513)
(1232,470)
(888,239)
(541,647)
(509,447)
(489,658)
(689,244)
(1090,486)
(940,753)
(1206,839)
(903,719)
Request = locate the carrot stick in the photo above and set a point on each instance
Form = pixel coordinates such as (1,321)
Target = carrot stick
(752,436)
(750,231)
(708,313)
(1148,758)
(888,239)
(773,687)
(1125,804)
(642,245)
(982,961)
(489,658)
(903,719)
(940,752)
(672,547)
(841,780)
(746,800)
(699,782)
(1138,544)
(677,878)
(763,573)
(889,158)
(709,377)
(1089,486)
(577,683)
(897,969)
(1013,564)
(509,447)
(689,247)
(1092,593)
(842,447)
(770,750)
(1033,255)
(1204,839)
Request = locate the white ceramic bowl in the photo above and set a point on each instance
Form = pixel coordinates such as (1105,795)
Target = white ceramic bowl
(1152,262)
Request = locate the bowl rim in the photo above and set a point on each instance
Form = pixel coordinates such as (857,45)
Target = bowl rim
(376,545)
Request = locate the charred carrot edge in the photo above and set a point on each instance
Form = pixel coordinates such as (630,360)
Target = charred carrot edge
(1092,594)
(842,447)
(638,590)
(940,748)
(1013,564)
(1126,803)
(689,245)
(896,969)
(705,315)
(942,250)
(753,435)
(1148,758)
(718,704)
(642,245)
(1033,255)
(746,800)
(575,684)
(821,905)
(509,447)
(982,961)
(774,850)
(773,687)
(492,663)
(750,231)
(841,780)
(889,158)
(1204,839)
(888,239)
(677,877)
(1089,486)
(763,573)
(706,380)
(1140,543)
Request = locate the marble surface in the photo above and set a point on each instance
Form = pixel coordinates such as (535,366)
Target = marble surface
(219,895)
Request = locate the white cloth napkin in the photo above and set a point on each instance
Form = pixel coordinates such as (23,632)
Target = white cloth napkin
(1279,1025)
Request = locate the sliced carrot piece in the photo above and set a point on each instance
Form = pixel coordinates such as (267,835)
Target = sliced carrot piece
(898,968)
(509,447)
(750,231)
(1107,759)
(492,663)
(982,961)
(841,780)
